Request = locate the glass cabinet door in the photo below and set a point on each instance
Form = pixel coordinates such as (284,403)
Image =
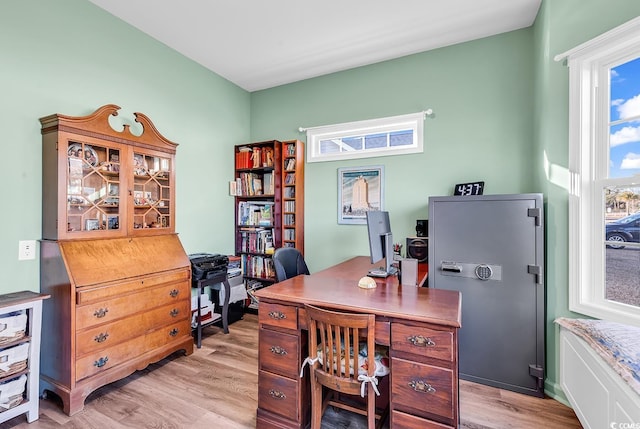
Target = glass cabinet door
(93,187)
(151,191)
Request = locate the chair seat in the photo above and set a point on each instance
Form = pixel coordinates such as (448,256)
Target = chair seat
(381,359)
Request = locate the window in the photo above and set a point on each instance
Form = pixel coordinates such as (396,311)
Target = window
(604,160)
(397,135)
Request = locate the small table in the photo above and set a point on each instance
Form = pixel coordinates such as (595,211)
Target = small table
(213,283)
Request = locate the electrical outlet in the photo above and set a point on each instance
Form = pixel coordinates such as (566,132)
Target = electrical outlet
(26,250)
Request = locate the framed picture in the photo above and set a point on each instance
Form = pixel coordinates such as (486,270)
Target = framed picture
(92,224)
(360,190)
(113,222)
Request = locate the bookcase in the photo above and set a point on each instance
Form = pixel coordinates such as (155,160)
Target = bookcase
(292,194)
(269,205)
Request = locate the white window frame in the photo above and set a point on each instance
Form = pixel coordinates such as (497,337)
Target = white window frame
(588,157)
(413,121)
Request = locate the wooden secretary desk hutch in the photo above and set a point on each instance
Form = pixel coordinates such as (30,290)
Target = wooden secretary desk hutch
(118,276)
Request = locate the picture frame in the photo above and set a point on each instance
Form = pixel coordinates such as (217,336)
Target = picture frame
(113,222)
(360,189)
(92,224)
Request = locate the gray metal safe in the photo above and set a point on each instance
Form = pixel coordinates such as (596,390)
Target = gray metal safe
(491,249)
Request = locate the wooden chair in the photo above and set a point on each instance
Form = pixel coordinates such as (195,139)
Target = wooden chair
(334,339)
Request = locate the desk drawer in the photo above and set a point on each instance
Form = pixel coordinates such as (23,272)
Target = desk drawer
(278,394)
(407,421)
(279,353)
(283,316)
(422,341)
(112,309)
(104,336)
(419,388)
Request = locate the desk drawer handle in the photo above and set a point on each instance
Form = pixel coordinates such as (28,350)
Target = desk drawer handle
(420,341)
(421,386)
(278,315)
(174,312)
(174,293)
(277,350)
(101,338)
(276,394)
(101,312)
(174,332)
(101,362)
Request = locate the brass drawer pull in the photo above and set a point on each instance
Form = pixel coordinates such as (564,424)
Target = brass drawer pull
(276,394)
(277,350)
(420,341)
(101,312)
(101,362)
(174,312)
(421,386)
(174,332)
(277,315)
(174,293)
(101,338)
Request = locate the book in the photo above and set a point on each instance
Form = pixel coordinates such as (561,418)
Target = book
(265,215)
(268,187)
(243,157)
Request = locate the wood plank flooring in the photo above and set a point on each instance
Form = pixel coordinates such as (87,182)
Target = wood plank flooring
(216,387)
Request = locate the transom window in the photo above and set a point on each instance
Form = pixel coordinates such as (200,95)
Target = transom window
(395,135)
(604,160)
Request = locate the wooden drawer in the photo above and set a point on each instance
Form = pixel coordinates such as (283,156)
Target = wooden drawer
(422,341)
(104,336)
(407,421)
(112,309)
(279,353)
(100,361)
(283,316)
(420,389)
(278,394)
(101,292)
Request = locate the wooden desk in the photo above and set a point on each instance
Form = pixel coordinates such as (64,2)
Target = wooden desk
(419,324)
(359,266)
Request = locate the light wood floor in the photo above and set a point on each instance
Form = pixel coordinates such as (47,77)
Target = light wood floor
(216,388)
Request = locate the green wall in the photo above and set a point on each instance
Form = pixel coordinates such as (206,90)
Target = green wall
(500,106)
(71,57)
(480,93)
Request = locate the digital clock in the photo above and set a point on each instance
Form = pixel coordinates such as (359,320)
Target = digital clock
(474,188)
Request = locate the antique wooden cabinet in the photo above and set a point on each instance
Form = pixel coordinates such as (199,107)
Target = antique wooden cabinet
(99,183)
(118,276)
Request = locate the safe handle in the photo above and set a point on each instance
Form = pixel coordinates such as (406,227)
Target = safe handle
(451,267)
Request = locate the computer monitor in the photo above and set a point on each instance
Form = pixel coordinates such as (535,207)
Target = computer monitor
(380,242)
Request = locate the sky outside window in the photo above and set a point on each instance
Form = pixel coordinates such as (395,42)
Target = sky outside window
(624,138)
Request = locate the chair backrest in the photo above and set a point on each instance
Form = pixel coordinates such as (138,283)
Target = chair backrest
(288,262)
(337,335)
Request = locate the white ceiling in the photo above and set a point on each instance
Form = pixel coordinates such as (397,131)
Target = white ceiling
(259,44)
